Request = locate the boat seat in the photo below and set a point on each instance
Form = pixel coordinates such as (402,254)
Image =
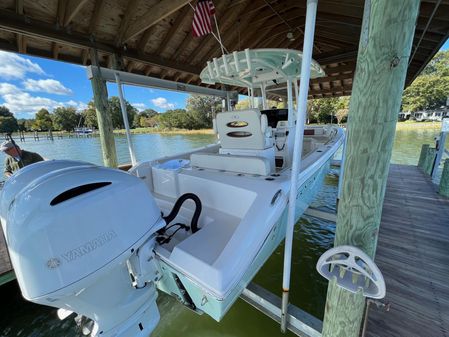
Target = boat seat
(244,129)
(233,163)
(246,144)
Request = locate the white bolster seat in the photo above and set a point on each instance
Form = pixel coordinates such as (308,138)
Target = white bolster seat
(241,164)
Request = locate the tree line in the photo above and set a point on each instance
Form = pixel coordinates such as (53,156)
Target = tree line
(197,115)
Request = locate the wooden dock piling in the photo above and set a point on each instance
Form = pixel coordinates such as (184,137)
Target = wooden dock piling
(429,160)
(104,118)
(444,182)
(423,155)
(384,49)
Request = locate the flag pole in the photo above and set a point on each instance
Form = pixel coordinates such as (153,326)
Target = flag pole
(218,38)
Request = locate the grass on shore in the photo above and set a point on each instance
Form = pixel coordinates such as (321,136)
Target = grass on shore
(166,131)
(407,125)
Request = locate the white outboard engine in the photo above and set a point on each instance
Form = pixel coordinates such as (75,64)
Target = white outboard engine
(81,238)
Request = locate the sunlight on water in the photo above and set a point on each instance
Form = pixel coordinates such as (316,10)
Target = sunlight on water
(312,238)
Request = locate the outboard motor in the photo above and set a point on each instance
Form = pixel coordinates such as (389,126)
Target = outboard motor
(81,238)
(24,176)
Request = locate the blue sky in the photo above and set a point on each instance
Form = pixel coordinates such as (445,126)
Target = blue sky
(30,83)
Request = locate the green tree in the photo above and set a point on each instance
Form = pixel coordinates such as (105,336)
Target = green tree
(90,116)
(65,118)
(201,109)
(8,123)
(29,124)
(43,121)
(439,65)
(426,92)
(22,124)
(177,118)
(146,118)
(116,112)
(431,88)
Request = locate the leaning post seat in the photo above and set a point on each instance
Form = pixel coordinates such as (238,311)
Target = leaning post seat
(246,144)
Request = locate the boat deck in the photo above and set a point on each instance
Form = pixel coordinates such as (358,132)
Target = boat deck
(413,255)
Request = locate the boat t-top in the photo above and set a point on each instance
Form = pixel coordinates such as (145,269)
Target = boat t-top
(198,226)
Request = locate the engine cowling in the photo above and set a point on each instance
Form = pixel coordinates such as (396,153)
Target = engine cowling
(73,234)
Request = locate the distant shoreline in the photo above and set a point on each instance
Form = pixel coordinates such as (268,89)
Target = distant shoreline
(407,125)
(139,131)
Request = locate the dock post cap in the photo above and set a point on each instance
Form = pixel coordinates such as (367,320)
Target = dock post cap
(353,271)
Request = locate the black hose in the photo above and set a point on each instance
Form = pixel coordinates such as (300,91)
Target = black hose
(196,215)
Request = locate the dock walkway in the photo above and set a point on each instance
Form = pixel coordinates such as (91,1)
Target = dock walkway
(413,255)
(6,273)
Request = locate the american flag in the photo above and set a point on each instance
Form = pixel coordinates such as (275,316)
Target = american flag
(202,24)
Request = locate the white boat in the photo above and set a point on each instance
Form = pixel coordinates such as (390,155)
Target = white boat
(82,131)
(93,240)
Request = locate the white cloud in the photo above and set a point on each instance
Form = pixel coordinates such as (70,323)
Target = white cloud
(48,85)
(139,106)
(13,66)
(162,103)
(76,104)
(8,89)
(18,101)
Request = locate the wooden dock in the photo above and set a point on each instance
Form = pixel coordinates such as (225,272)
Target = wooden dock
(413,255)
(6,273)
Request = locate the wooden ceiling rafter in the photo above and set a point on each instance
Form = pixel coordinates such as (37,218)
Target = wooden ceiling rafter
(61,33)
(234,43)
(11,22)
(178,22)
(124,23)
(98,6)
(72,9)
(21,41)
(154,15)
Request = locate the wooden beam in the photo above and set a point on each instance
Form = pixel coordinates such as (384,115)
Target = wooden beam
(231,38)
(95,16)
(182,46)
(180,19)
(55,50)
(332,78)
(12,22)
(340,69)
(337,56)
(383,55)
(60,15)
(124,24)
(330,90)
(19,37)
(72,8)
(157,13)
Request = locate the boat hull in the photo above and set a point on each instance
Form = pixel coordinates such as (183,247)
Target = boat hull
(189,292)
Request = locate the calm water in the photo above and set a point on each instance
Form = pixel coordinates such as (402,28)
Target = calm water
(312,238)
